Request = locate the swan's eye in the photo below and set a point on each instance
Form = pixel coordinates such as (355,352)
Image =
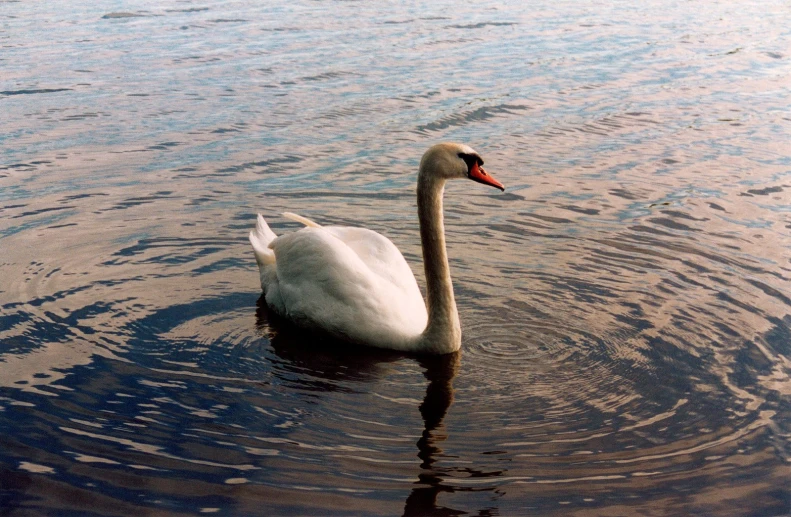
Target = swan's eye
(471,159)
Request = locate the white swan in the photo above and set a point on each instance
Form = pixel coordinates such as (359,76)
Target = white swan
(353,283)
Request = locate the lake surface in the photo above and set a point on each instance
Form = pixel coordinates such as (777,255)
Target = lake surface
(626,303)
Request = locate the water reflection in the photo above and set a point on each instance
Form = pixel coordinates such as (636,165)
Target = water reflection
(439,372)
(318,362)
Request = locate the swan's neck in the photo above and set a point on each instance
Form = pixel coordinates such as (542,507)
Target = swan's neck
(443,332)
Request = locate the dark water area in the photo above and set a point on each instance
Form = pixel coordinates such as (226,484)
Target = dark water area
(625,304)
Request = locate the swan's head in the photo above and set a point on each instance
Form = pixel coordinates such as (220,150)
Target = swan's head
(452,161)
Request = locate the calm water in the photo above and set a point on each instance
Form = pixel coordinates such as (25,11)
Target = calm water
(626,303)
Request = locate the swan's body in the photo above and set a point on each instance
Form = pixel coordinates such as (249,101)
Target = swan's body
(350,282)
(354,283)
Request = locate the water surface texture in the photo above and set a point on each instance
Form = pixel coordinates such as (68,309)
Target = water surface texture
(626,303)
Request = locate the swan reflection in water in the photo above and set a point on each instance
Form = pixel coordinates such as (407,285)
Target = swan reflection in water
(439,372)
(305,352)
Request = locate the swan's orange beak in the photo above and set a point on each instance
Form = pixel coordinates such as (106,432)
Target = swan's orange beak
(481,176)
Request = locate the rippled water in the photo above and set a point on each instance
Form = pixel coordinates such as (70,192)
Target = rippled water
(626,303)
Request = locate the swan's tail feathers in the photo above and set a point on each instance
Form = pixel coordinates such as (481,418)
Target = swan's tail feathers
(300,219)
(260,239)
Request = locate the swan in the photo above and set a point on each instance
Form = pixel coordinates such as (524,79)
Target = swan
(354,284)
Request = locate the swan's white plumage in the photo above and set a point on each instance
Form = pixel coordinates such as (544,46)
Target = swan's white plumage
(350,282)
(260,239)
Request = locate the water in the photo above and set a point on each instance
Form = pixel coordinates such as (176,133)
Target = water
(626,303)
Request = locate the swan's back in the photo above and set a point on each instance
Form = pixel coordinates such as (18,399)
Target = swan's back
(350,282)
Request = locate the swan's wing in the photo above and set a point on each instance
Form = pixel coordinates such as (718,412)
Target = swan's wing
(351,282)
(379,254)
(302,220)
